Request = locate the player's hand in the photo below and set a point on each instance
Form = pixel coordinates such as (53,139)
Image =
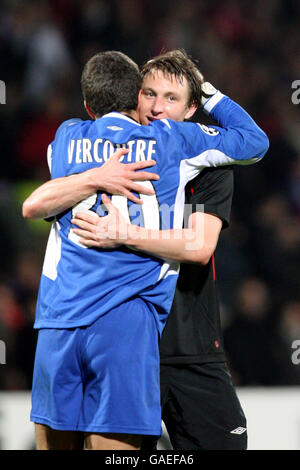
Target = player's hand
(115,177)
(208,90)
(109,231)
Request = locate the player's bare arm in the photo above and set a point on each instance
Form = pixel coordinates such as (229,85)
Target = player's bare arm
(114,177)
(195,244)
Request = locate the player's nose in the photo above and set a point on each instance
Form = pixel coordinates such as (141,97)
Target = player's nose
(157,106)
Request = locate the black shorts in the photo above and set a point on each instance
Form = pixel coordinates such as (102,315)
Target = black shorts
(200,408)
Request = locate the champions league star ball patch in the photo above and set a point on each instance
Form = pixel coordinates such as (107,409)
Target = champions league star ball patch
(209,130)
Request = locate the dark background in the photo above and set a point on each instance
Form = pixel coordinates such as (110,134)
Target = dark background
(249,50)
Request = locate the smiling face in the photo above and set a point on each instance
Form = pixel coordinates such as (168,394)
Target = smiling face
(164,96)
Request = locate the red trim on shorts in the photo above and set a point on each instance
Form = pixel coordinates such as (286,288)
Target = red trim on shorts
(213,266)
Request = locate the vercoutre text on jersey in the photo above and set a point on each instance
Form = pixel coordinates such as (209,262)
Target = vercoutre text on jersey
(100,150)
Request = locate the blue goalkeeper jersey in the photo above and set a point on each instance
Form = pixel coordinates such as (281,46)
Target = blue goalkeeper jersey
(79,284)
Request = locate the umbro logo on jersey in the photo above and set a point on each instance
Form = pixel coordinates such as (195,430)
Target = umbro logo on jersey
(115,128)
(238,430)
(209,130)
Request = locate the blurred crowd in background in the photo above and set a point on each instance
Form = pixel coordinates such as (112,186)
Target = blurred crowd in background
(249,50)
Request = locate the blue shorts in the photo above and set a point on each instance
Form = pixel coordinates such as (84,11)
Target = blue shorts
(100,378)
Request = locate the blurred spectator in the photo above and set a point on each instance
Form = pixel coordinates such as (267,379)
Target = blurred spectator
(276,242)
(294,185)
(290,322)
(256,353)
(37,131)
(289,331)
(11,323)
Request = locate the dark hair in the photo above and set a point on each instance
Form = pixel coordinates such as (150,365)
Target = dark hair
(110,81)
(179,64)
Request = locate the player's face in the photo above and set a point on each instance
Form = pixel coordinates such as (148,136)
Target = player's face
(164,97)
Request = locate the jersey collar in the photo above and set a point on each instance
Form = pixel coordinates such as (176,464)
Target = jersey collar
(121,116)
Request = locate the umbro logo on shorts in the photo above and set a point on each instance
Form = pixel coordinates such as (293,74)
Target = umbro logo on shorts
(238,430)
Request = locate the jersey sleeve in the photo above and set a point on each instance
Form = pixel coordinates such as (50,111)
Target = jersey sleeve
(49,157)
(237,139)
(213,191)
(51,149)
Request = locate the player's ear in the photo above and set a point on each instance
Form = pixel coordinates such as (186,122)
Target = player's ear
(191,111)
(89,111)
